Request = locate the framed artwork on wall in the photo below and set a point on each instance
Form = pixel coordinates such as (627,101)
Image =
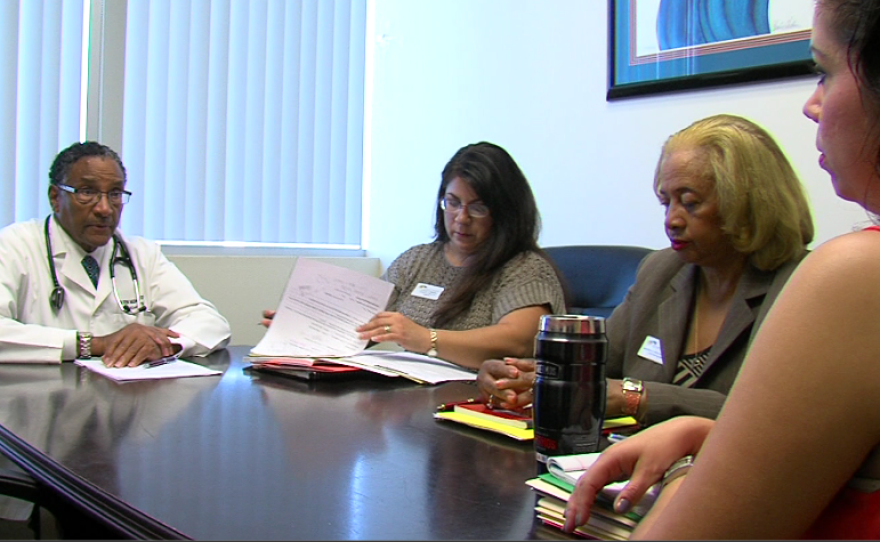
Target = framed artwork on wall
(659,46)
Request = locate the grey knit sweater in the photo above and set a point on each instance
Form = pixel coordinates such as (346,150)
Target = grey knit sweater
(526,280)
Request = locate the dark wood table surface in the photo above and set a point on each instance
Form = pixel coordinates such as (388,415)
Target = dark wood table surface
(258,457)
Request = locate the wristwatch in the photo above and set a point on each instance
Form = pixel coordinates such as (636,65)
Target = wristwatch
(84,340)
(678,469)
(433,351)
(632,394)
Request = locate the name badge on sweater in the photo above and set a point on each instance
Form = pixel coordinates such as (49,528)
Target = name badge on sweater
(652,350)
(427,291)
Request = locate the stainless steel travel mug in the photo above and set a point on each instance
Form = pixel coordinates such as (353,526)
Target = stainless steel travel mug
(569,402)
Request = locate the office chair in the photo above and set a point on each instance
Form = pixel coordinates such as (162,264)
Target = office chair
(19,484)
(597,277)
(69,521)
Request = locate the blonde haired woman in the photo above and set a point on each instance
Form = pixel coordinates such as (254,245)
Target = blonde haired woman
(738,224)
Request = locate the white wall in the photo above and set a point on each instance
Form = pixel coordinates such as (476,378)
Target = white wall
(531,75)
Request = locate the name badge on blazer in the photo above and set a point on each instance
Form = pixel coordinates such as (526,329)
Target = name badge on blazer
(427,291)
(652,350)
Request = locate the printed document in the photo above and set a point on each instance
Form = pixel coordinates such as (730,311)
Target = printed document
(174,369)
(417,367)
(320,309)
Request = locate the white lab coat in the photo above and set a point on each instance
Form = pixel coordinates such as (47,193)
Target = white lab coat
(30,330)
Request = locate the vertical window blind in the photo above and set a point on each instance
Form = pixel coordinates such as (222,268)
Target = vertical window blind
(242,120)
(41,51)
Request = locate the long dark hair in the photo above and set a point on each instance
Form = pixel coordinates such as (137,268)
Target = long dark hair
(496,178)
(856,24)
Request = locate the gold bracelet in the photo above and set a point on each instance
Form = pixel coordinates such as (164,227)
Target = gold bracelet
(433,350)
(632,395)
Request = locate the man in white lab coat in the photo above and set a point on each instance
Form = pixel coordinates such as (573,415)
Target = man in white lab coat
(129,305)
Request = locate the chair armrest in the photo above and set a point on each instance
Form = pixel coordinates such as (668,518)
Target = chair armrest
(19,484)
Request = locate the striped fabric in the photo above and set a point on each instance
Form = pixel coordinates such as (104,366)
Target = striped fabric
(690,367)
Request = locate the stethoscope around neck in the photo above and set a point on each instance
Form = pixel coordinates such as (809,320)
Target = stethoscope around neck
(121,255)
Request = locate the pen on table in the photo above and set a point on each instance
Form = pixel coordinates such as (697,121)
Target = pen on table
(160,361)
(616,437)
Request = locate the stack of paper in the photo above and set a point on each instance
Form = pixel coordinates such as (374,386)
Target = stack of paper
(496,414)
(302,368)
(569,468)
(473,414)
(416,367)
(555,487)
(625,424)
(320,309)
(505,422)
(316,320)
(175,369)
(281,361)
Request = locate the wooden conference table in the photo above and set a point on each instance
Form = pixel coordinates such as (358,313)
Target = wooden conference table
(253,457)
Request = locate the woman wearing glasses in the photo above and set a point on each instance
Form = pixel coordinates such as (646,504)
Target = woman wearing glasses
(480,288)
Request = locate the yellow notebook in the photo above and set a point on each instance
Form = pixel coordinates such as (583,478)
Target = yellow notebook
(482,423)
(505,429)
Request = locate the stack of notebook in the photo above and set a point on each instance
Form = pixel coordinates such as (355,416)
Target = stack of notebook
(516,425)
(476,414)
(555,487)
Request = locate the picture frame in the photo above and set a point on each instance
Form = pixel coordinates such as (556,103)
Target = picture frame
(658,46)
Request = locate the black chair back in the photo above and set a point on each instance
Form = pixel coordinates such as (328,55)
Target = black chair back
(597,277)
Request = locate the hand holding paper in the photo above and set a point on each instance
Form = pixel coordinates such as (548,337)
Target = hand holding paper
(320,309)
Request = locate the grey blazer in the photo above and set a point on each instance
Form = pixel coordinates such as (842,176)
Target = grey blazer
(658,305)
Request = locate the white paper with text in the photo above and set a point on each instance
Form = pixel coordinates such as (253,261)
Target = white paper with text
(320,309)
